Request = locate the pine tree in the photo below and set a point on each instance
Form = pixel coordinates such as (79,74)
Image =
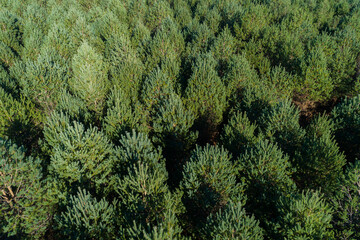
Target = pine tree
(239,134)
(346,202)
(209,183)
(140,183)
(122,116)
(232,223)
(164,49)
(171,125)
(89,81)
(78,155)
(346,116)
(26,210)
(281,125)
(267,173)
(125,67)
(86,217)
(44,78)
(319,162)
(239,74)
(205,94)
(305,216)
(19,120)
(318,82)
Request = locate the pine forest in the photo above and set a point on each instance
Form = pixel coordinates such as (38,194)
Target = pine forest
(180,119)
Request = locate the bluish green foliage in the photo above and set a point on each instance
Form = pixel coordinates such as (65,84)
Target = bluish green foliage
(232,223)
(87,218)
(305,216)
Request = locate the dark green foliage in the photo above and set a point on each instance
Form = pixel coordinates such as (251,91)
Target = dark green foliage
(318,83)
(281,125)
(209,182)
(267,173)
(87,218)
(346,202)
(19,120)
(25,208)
(232,223)
(239,134)
(305,216)
(118,100)
(347,126)
(141,186)
(320,161)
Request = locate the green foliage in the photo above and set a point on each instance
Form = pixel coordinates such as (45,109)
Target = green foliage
(239,134)
(281,125)
(121,115)
(205,94)
(209,182)
(24,205)
(232,223)
(346,203)
(305,216)
(19,120)
(125,67)
(267,173)
(318,83)
(347,126)
(141,186)
(119,100)
(79,155)
(320,161)
(44,78)
(89,82)
(87,218)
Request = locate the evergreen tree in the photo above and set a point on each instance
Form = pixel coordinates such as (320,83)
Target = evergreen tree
(318,82)
(87,218)
(281,125)
(209,183)
(43,79)
(205,94)
(267,173)
(346,203)
(305,216)
(122,116)
(320,161)
(89,81)
(142,190)
(78,155)
(347,126)
(232,223)
(239,134)
(25,207)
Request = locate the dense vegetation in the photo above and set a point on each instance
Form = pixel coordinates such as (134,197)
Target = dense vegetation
(179,119)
